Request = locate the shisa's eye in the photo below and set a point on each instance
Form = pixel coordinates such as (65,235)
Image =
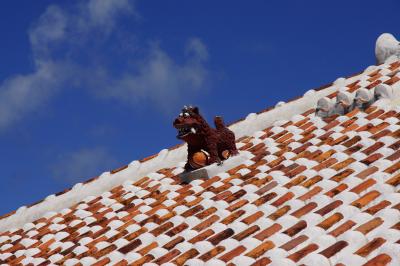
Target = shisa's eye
(180,114)
(186,114)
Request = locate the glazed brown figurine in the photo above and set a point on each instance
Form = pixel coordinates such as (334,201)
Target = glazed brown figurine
(218,144)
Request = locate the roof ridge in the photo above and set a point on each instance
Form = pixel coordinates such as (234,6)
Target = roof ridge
(170,157)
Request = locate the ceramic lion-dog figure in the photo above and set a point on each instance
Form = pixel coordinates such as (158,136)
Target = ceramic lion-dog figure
(216,143)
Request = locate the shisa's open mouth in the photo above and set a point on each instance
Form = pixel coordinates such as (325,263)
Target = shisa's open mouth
(185,130)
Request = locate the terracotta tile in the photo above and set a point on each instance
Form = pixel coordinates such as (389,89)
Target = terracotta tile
(324,156)
(102,262)
(269,231)
(367,172)
(221,236)
(314,191)
(369,226)
(375,77)
(328,208)
(253,217)
(351,141)
(236,205)
(331,125)
(352,113)
(373,148)
(212,253)
(287,196)
(294,243)
(333,249)
(233,253)
(325,164)
(279,213)
(367,198)
(395,156)
(312,181)
(142,260)
(381,134)
(307,136)
(330,221)
(392,80)
(303,252)
(308,112)
(119,169)
(206,223)
(162,228)
(351,127)
(353,149)
(395,146)
(232,217)
(295,181)
(394,181)
(167,257)
(381,260)
(342,228)
(371,109)
(333,192)
(304,210)
(204,235)
(177,229)
(397,206)
(341,165)
(373,84)
(207,212)
(394,65)
(363,186)
(264,199)
(261,249)
(297,170)
(143,251)
(370,246)
(396,226)
(372,158)
(235,196)
(301,148)
(246,233)
(377,207)
(292,231)
(378,128)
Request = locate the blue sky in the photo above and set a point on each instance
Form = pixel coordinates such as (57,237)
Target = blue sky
(87,86)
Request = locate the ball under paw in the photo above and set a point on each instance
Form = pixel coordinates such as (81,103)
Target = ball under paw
(226,154)
(198,160)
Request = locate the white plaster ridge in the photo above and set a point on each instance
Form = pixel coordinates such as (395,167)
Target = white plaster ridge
(167,158)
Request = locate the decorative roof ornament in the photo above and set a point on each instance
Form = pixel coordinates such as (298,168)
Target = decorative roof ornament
(344,103)
(383,91)
(363,99)
(324,107)
(386,47)
(206,145)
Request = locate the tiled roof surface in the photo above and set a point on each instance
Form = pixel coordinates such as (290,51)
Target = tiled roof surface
(314,192)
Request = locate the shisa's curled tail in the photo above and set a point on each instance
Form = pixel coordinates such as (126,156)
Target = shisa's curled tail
(219,122)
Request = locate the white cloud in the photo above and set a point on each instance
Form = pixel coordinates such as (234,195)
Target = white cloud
(103,12)
(159,78)
(62,35)
(82,164)
(22,93)
(49,29)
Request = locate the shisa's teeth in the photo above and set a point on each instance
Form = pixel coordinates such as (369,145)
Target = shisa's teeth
(193,130)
